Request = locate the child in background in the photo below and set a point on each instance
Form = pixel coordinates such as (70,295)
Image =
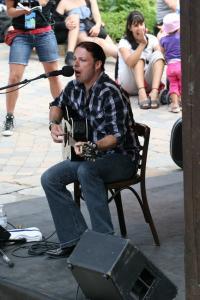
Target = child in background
(170,43)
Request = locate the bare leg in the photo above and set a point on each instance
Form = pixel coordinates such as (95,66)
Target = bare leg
(158,68)
(174,107)
(107,44)
(73,32)
(15,75)
(16,72)
(72,23)
(54,82)
(138,72)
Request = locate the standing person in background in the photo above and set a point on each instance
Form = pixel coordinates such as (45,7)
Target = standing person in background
(33,30)
(141,62)
(84,24)
(164,7)
(170,44)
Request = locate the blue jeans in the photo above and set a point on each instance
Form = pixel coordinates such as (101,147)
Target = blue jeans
(69,221)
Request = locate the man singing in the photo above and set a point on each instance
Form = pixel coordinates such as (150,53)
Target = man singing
(97,98)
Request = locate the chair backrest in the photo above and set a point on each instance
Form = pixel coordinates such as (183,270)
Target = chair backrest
(143,132)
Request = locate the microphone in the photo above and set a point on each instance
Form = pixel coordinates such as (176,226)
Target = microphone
(66,71)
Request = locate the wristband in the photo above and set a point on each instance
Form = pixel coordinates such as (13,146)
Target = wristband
(53,122)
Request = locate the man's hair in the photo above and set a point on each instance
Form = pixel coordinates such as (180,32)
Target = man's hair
(135,17)
(96,51)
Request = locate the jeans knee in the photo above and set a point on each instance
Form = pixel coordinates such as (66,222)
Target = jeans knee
(85,171)
(44,180)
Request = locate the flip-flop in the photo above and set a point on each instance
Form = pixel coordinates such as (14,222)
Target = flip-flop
(144,104)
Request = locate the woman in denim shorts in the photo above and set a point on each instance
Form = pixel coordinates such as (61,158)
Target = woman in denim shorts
(33,30)
(78,12)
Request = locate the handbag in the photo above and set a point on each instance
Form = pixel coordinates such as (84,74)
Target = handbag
(89,23)
(11,34)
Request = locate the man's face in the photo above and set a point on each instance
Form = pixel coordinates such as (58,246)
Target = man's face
(85,68)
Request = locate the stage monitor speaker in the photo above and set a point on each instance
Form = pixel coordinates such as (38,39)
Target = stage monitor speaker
(176,148)
(107,267)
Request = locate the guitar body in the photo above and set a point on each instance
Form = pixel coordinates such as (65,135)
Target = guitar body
(75,129)
(176,150)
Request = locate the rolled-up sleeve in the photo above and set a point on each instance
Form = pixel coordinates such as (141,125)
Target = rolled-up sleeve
(115,115)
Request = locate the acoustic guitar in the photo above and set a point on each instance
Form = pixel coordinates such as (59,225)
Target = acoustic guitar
(76,129)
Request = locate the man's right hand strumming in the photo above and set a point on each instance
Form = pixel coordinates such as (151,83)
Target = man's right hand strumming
(57,133)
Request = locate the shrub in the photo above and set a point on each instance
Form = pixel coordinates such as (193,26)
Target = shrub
(115,12)
(115,23)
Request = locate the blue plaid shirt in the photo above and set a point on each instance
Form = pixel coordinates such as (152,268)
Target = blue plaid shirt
(107,110)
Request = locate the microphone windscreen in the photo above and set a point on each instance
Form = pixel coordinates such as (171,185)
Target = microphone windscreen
(67,71)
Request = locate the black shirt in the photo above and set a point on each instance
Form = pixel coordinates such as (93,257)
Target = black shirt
(39,18)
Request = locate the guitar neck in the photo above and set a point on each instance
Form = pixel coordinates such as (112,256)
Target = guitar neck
(71,140)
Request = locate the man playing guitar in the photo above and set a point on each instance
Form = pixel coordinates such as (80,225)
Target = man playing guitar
(98,99)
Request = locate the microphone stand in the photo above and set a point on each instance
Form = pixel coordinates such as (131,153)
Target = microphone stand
(6,259)
(25,81)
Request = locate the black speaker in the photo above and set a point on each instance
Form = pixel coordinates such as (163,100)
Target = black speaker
(176,148)
(110,268)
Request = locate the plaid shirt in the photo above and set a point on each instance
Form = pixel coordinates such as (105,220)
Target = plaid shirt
(107,110)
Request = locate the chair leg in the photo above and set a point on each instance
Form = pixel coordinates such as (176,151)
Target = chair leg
(77,194)
(120,213)
(147,214)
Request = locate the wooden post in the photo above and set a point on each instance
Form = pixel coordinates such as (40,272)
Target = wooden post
(190,45)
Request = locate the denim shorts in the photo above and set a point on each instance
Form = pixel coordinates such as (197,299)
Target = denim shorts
(23,44)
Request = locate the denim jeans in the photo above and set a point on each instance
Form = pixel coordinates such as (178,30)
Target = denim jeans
(68,219)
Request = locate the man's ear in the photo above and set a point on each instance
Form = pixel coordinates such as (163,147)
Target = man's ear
(98,64)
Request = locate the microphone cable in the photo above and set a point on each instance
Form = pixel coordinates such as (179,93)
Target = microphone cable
(36,248)
(18,88)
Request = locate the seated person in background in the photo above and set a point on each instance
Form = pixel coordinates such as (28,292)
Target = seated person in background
(164,7)
(97,98)
(170,44)
(141,62)
(79,15)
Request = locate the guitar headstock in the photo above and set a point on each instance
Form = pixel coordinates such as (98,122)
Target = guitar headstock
(89,151)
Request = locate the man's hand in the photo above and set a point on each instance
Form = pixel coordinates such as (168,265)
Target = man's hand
(78,148)
(87,150)
(57,133)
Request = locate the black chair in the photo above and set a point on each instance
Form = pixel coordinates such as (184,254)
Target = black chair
(115,188)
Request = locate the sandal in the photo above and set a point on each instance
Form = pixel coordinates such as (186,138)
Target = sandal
(155,103)
(174,109)
(144,104)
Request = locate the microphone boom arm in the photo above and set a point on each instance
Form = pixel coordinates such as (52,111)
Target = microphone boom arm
(66,71)
(25,81)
